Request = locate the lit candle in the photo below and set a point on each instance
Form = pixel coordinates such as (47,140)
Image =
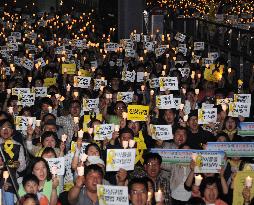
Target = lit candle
(68,88)
(151,92)
(163,73)
(248,181)
(10,110)
(174,58)
(75,94)
(181,106)
(145,74)
(143,88)
(125,144)
(8,91)
(64,137)
(30,121)
(158,196)
(224,107)
(199,75)
(131,143)
(80,171)
(108,95)
(76,120)
(198,180)
(185,118)
(84,157)
(29,79)
(149,198)
(49,109)
(117,127)
(80,134)
(5,176)
(38,123)
(125,114)
(196,91)
(229,70)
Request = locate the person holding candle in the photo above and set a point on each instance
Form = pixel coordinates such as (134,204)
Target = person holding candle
(152,166)
(48,185)
(247,196)
(15,159)
(230,128)
(85,188)
(138,191)
(67,122)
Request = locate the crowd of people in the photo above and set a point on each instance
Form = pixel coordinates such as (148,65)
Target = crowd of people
(61,78)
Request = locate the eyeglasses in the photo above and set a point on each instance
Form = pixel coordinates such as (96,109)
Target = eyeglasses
(120,108)
(135,192)
(153,164)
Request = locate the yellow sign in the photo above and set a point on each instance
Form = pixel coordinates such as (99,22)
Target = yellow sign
(138,112)
(213,74)
(87,119)
(239,184)
(69,69)
(49,81)
(84,73)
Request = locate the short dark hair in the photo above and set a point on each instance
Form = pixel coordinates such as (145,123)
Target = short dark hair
(93,168)
(126,130)
(30,177)
(49,134)
(30,196)
(150,155)
(207,181)
(93,145)
(137,181)
(74,102)
(180,128)
(49,150)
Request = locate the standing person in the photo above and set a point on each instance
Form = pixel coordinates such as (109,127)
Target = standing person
(85,188)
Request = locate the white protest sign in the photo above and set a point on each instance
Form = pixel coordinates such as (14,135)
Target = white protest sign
(140,77)
(103,131)
(239,109)
(94,64)
(161,132)
(135,37)
(20,91)
(111,47)
(112,195)
(195,58)
(242,98)
(185,72)
(165,101)
(99,82)
(17,35)
(213,55)
(160,51)
(168,83)
(177,102)
(149,46)
(180,37)
(207,61)
(154,83)
(130,53)
(59,163)
(120,158)
(26,99)
(90,104)
(199,46)
(28,64)
(22,122)
(129,76)
(41,61)
(40,91)
(208,162)
(206,116)
(126,97)
(119,62)
(182,50)
(82,82)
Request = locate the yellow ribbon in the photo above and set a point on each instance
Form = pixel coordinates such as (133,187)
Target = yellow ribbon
(141,146)
(101,194)
(110,157)
(199,161)
(8,146)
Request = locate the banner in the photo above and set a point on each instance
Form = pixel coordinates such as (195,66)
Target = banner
(246,129)
(233,149)
(120,158)
(138,112)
